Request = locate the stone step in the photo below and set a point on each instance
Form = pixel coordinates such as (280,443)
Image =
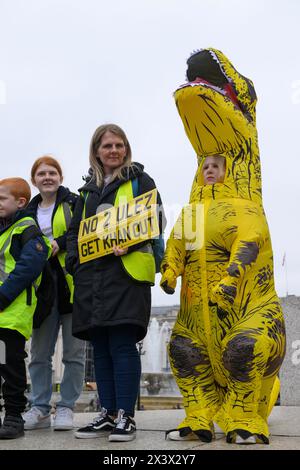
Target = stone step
(88,402)
(160,403)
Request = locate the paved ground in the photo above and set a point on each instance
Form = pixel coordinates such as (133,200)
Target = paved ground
(284,427)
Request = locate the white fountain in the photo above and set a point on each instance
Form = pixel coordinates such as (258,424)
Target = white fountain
(155,357)
(157,377)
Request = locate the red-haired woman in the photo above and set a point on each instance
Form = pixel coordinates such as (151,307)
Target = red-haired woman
(52,209)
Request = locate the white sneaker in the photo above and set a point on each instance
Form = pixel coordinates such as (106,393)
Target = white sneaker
(186,434)
(35,419)
(175,436)
(248,440)
(63,420)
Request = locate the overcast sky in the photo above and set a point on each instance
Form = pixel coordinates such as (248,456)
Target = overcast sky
(67,66)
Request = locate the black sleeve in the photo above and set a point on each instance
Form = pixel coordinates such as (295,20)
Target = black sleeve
(72,236)
(31,232)
(62,241)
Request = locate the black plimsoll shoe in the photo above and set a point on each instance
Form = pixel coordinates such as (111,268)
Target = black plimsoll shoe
(125,429)
(101,426)
(12,427)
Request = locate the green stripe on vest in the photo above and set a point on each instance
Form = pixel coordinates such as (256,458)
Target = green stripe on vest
(61,223)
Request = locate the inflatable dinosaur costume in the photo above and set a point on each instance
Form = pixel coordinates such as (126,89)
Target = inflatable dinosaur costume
(228,342)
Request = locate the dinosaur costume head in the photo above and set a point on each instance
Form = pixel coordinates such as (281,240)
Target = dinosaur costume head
(217,108)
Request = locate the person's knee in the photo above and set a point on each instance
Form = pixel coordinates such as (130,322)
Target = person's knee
(40,354)
(123,340)
(239,356)
(74,352)
(187,356)
(124,349)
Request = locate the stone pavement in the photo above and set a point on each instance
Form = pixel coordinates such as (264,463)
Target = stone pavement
(284,427)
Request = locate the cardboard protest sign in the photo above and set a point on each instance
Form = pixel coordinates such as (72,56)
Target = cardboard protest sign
(127,224)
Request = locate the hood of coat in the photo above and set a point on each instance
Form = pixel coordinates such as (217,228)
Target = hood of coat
(63,195)
(5,223)
(128,173)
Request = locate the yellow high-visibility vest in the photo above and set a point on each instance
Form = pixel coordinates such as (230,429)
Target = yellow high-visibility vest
(19,314)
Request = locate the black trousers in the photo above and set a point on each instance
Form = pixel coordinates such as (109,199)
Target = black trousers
(12,371)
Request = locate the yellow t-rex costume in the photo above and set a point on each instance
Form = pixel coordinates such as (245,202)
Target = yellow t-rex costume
(229,338)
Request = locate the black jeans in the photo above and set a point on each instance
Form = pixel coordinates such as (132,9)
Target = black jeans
(117,367)
(12,371)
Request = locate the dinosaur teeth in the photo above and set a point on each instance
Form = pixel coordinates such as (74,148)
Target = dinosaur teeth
(215,57)
(195,51)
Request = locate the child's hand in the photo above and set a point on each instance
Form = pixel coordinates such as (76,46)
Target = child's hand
(55,248)
(120,251)
(224,293)
(168,281)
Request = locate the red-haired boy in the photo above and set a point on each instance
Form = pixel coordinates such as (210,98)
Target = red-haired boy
(23,254)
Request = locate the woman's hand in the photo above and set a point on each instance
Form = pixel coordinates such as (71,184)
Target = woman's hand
(120,251)
(55,248)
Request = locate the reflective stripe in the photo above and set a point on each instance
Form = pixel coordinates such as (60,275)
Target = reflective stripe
(19,313)
(23,223)
(3,274)
(67,214)
(84,194)
(7,242)
(64,271)
(61,222)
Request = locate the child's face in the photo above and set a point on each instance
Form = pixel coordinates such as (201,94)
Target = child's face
(9,205)
(47,179)
(213,170)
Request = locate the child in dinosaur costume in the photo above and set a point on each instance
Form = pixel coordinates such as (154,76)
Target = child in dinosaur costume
(228,342)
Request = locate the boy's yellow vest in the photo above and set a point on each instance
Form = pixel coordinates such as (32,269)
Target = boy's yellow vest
(18,315)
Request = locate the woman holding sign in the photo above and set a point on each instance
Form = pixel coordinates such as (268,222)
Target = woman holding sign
(113,272)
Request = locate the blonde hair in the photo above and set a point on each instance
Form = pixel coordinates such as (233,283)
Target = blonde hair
(217,158)
(18,187)
(96,163)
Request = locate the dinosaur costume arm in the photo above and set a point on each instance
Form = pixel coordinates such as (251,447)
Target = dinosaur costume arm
(173,263)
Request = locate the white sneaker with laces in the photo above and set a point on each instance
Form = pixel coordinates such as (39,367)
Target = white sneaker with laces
(101,426)
(63,420)
(35,419)
(125,429)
